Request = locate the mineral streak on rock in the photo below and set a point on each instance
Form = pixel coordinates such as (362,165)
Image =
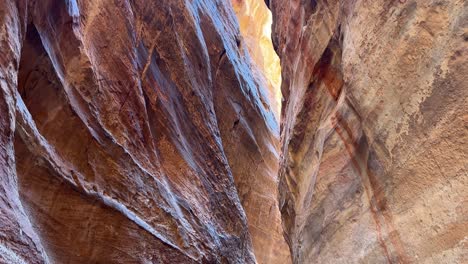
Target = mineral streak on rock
(129,130)
(374,136)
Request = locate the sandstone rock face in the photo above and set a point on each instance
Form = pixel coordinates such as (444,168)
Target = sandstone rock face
(133,132)
(18,240)
(259,193)
(374,130)
(255,21)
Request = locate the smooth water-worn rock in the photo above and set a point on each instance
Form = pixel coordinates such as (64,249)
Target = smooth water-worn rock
(133,132)
(374,130)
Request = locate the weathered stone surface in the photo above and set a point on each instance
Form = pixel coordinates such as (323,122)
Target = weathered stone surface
(129,130)
(374,135)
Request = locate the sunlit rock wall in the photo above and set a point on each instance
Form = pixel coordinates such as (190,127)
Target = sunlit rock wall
(129,130)
(374,137)
(259,193)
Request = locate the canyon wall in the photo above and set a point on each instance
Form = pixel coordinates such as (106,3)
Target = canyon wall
(374,130)
(134,132)
(255,21)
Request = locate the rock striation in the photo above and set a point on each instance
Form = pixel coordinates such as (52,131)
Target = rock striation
(133,132)
(374,130)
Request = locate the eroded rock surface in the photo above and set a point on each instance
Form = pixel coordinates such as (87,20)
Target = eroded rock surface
(374,130)
(129,130)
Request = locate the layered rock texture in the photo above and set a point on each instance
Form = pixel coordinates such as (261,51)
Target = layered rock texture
(374,130)
(134,132)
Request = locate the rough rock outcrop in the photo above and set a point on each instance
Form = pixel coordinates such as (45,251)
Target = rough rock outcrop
(374,130)
(129,130)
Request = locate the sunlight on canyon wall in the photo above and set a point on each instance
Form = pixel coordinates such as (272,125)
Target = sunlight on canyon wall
(255,21)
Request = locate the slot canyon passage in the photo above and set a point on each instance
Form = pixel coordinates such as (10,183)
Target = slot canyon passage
(137,131)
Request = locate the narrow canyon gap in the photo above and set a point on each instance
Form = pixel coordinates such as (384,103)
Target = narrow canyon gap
(136,131)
